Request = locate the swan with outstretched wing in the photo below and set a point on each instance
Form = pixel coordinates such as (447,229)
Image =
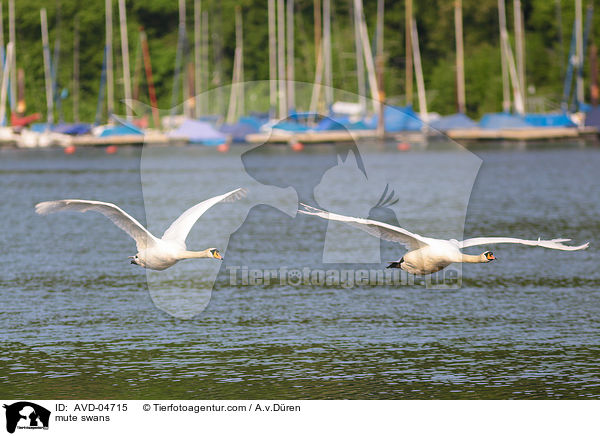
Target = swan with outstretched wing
(154,253)
(430,255)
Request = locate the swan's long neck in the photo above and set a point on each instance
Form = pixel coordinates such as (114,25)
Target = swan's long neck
(468,258)
(194,254)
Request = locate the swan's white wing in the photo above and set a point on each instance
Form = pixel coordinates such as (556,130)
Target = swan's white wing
(122,219)
(381,230)
(555,244)
(180,228)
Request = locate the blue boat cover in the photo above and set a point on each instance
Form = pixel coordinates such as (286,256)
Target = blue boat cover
(198,132)
(340,123)
(239,130)
(66,128)
(121,129)
(455,121)
(398,119)
(502,120)
(72,128)
(290,126)
(254,121)
(38,127)
(549,120)
(303,116)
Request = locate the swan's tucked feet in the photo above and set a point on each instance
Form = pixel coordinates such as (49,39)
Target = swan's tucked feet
(396,264)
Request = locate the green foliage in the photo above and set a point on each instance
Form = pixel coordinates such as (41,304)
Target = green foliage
(547,46)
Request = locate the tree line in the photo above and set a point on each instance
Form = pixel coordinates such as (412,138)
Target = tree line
(548,26)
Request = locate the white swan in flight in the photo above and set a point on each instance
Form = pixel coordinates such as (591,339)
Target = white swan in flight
(429,255)
(153,253)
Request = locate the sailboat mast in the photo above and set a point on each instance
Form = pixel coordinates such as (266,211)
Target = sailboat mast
(4,87)
(509,69)
(316,91)
(178,60)
(379,29)
(54,72)
(520,47)
(379,65)
(76,70)
(197,56)
(218,52)
(460,57)
(317,19)
(13,59)
(234,94)
(360,66)
(561,38)
(281,58)
(514,78)
(47,74)
(185,71)
(364,37)
(240,43)
(125,56)
(291,92)
(149,80)
(419,73)
(579,51)
(272,60)
(2,53)
(409,55)
(503,55)
(110,91)
(327,53)
(205,62)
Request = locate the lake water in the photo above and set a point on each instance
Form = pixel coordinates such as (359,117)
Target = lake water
(78,321)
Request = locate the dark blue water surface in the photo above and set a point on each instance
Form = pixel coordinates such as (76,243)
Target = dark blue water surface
(77,320)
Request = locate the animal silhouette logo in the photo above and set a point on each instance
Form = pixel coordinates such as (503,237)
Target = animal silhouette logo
(346,177)
(26,415)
